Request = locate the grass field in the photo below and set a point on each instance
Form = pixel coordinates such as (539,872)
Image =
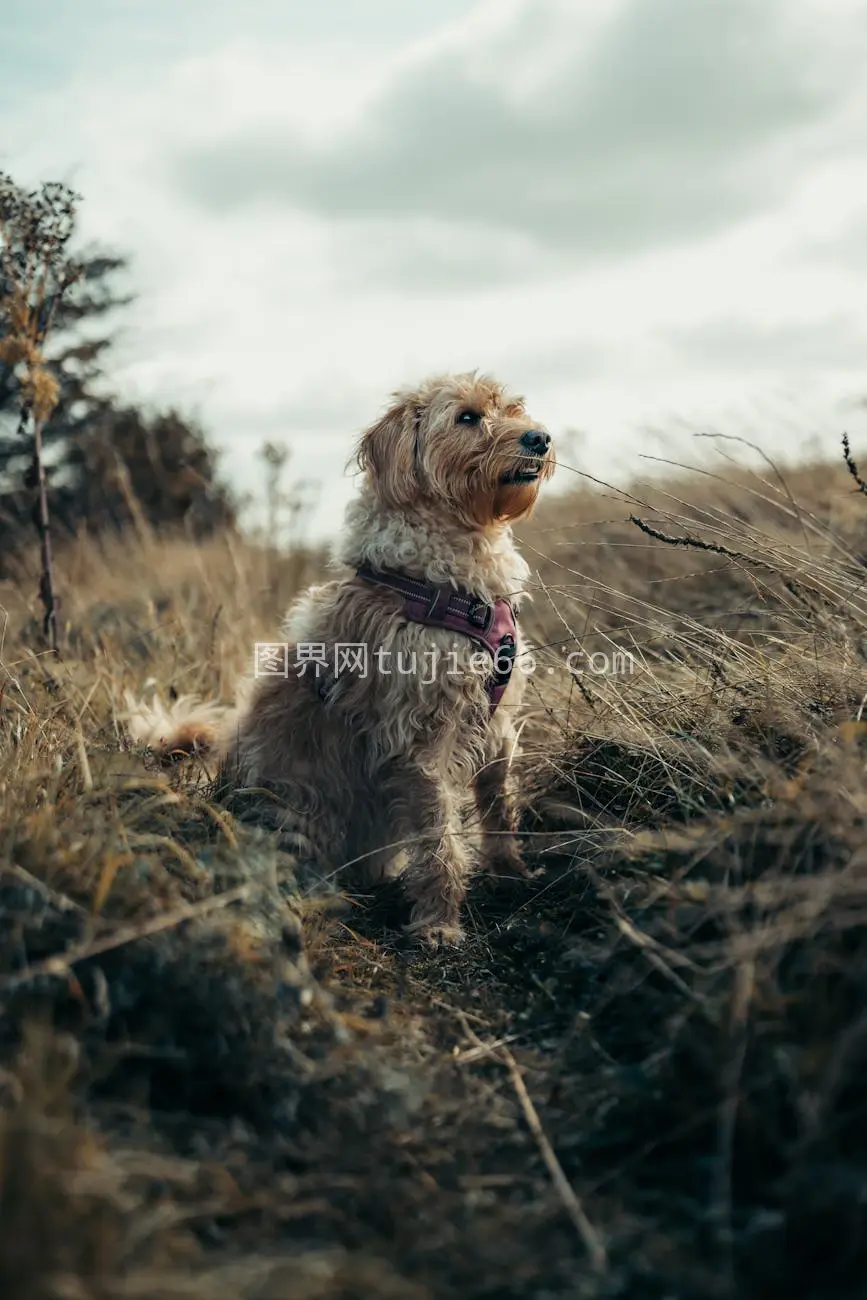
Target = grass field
(642,1076)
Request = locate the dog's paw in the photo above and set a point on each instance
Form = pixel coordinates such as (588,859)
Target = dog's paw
(443,936)
(437,934)
(505,862)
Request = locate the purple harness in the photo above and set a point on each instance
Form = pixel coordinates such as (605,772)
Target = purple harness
(433,605)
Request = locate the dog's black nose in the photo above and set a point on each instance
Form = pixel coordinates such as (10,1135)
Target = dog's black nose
(536,441)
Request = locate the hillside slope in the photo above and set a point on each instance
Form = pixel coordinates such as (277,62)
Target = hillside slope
(222,1076)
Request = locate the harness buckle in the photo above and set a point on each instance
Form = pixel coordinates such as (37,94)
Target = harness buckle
(504,660)
(480,614)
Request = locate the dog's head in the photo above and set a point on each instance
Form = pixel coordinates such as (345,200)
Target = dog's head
(462,442)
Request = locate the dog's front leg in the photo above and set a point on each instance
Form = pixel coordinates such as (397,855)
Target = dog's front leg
(439,860)
(498,809)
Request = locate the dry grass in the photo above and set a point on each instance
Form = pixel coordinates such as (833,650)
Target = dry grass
(643,1074)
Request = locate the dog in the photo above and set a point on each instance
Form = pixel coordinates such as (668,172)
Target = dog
(380,763)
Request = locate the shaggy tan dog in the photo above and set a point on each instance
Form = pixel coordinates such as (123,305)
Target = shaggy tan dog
(384,760)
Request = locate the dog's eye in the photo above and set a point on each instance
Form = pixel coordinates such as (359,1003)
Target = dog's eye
(469,417)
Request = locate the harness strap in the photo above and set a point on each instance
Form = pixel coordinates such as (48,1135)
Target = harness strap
(432,604)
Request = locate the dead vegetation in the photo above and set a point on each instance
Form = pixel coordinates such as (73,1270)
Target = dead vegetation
(643,1074)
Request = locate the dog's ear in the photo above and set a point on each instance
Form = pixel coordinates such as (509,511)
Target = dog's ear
(386,451)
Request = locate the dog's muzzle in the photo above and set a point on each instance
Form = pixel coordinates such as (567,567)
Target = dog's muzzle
(535,445)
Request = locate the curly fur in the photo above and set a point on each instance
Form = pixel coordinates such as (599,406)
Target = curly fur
(390,764)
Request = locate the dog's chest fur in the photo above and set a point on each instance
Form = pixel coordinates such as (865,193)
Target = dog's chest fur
(421,688)
(485,562)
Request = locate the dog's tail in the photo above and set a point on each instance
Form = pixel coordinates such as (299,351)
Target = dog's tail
(185,726)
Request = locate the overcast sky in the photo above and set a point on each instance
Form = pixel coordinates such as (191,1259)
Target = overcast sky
(645,215)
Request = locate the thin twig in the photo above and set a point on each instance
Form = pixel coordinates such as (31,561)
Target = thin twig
(590,1238)
(781,479)
(696,543)
(851,466)
(53,896)
(60,963)
(43,525)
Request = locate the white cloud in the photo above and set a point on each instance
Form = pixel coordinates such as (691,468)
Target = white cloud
(666,123)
